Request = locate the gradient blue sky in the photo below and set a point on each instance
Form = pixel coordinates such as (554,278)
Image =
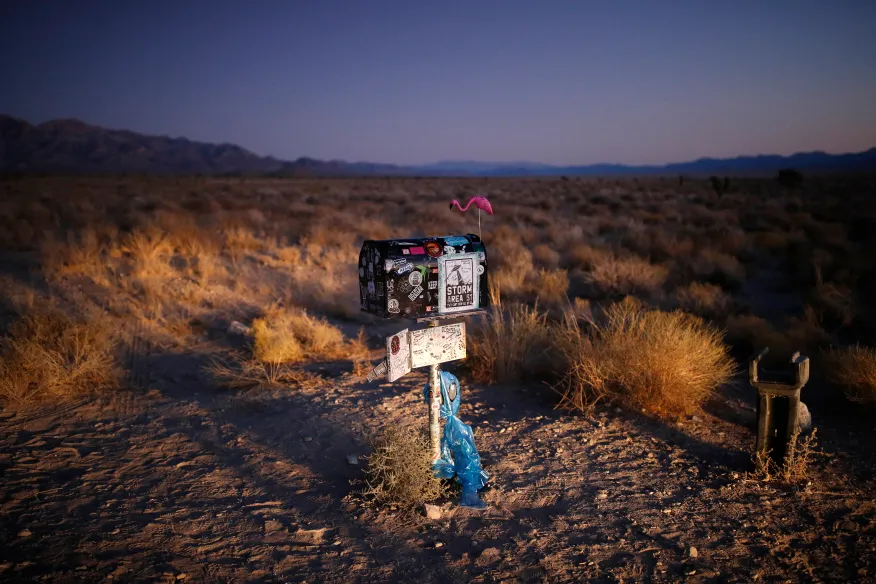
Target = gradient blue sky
(420,81)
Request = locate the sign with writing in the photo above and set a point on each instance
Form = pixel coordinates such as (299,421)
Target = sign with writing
(378,371)
(439,344)
(398,355)
(408,350)
(458,283)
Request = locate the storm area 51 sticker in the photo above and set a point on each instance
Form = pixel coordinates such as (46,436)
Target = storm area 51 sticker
(458,283)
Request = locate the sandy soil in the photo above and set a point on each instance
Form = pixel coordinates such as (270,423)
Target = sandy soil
(180,482)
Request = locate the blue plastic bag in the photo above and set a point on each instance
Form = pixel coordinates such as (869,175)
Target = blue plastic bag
(459,457)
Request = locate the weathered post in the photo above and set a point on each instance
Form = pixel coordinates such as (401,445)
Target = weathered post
(778,405)
(434,408)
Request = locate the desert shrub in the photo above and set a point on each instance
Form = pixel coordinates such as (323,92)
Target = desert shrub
(281,340)
(549,286)
(510,344)
(703,299)
(854,368)
(291,335)
(797,466)
(666,363)
(585,256)
(837,302)
(752,333)
(399,468)
(622,276)
(150,250)
(709,263)
(49,355)
(77,254)
(545,256)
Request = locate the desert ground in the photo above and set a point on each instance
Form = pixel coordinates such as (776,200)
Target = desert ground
(184,398)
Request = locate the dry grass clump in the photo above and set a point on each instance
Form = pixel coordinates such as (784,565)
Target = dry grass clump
(80,254)
(50,355)
(704,299)
(797,466)
(666,363)
(611,275)
(585,256)
(510,344)
(291,335)
(854,368)
(399,468)
(281,339)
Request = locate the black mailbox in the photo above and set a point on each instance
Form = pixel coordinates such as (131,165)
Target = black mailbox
(423,277)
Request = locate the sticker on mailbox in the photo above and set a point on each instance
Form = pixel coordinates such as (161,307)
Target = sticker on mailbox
(458,283)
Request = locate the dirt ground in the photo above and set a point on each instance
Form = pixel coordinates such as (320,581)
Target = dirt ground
(183,483)
(172,479)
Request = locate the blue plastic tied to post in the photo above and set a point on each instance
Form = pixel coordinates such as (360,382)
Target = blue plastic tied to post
(459,456)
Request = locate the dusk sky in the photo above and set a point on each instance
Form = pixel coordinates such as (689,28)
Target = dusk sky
(418,81)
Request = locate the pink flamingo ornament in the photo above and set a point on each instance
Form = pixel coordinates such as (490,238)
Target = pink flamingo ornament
(480,202)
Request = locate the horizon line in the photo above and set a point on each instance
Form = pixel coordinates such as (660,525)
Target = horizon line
(510,164)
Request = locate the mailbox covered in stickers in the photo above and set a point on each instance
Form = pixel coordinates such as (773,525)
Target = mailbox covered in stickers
(421,277)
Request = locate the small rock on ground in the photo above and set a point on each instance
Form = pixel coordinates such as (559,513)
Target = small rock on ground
(433,511)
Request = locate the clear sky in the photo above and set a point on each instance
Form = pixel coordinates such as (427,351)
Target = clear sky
(419,81)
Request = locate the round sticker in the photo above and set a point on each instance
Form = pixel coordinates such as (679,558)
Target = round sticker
(433,249)
(393,305)
(480,270)
(415,279)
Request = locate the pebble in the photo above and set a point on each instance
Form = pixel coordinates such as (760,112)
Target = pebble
(307,438)
(352,459)
(439,544)
(692,552)
(433,512)
(24,533)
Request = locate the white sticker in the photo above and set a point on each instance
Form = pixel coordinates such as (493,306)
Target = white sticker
(458,288)
(433,285)
(480,269)
(406,251)
(449,250)
(393,306)
(434,345)
(398,355)
(415,279)
(415,292)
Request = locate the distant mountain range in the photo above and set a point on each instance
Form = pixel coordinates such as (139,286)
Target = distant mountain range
(72,146)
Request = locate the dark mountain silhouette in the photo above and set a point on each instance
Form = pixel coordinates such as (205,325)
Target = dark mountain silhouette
(70,146)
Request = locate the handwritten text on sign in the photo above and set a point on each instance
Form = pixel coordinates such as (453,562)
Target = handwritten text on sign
(439,344)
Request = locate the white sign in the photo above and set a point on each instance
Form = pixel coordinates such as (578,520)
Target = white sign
(458,283)
(439,344)
(408,350)
(398,355)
